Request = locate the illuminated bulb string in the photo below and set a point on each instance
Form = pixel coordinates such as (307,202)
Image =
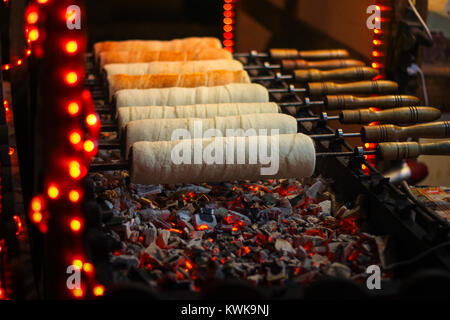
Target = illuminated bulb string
(228,24)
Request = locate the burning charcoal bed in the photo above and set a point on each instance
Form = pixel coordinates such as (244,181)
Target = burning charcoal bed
(270,233)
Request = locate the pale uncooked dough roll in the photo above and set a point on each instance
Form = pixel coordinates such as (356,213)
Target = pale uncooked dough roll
(108,57)
(158,162)
(231,93)
(201,111)
(186,80)
(186,44)
(135,69)
(167,129)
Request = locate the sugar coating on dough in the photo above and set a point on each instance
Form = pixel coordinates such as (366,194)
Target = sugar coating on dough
(249,124)
(127,114)
(231,93)
(172,67)
(152,162)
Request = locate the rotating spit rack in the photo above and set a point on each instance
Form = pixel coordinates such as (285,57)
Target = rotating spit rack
(389,210)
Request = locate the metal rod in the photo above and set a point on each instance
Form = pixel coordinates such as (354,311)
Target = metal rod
(115,144)
(276,77)
(251,54)
(323,117)
(288,90)
(125,165)
(266,66)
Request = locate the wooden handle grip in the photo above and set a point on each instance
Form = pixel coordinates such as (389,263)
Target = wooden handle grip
(291,65)
(399,116)
(389,132)
(405,150)
(324,54)
(279,54)
(351,102)
(353,73)
(324,88)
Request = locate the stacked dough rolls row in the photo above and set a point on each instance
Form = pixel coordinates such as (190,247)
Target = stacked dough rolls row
(194,84)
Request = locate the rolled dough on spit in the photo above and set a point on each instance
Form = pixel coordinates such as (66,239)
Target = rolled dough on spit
(135,69)
(162,129)
(187,44)
(202,111)
(230,93)
(186,80)
(152,162)
(108,57)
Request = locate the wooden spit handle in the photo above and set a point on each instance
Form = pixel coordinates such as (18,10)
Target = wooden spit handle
(353,73)
(324,88)
(389,132)
(279,54)
(352,102)
(289,65)
(399,116)
(406,150)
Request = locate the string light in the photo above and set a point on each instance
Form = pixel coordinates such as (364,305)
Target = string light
(73,108)
(75,224)
(91,119)
(53,192)
(228,22)
(98,290)
(33,34)
(71,78)
(71,46)
(75,137)
(74,196)
(89,146)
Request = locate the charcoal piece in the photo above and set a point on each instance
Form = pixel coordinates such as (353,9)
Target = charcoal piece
(163,238)
(284,246)
(124,261)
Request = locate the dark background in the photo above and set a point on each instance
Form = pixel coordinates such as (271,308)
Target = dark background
(155,19)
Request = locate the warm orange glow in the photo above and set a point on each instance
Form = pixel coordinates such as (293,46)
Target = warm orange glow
(11,151)
(32,17)
(36,204)
(42,1)
(228,21)
(376,53)
(377,42)
(89,146)
(98,290)
(75,137)
(6,67)
(36,217)
(74,196)
(74,169)
(73,108)
(33,34)
(91,119)
(376,65)
(88,267)
(71,46)
(189,264)
(366,145)
(19,62)
(377,31)
(75,224)
(228,14)
(227,28)
(18,224)
(228,43)
(203,227)
(28,52)
(228,35)
(363,166)
(78,293)
(53,192)
(227,7)
(77,263)
(71,78)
